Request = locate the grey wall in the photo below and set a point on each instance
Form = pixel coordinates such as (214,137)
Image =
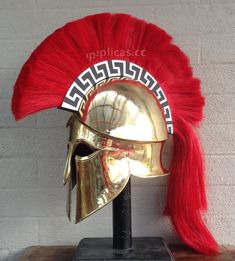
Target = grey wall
(32,151)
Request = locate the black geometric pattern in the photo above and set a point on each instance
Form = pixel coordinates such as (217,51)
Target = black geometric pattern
(95,75)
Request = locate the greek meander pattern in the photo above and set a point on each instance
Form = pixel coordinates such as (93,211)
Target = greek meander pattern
(94,76)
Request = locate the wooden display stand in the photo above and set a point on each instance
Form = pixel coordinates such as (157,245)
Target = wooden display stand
(67,253)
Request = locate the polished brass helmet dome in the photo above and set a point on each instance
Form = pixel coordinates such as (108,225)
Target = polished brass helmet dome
(126,110)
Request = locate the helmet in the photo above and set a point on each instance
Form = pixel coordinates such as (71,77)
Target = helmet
(119,128)
(121,133)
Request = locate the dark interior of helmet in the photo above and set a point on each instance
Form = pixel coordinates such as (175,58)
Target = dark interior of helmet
(83,149)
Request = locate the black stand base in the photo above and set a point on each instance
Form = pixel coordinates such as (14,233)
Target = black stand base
(143,248)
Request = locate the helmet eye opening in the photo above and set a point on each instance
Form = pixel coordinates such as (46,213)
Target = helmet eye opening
(84,149)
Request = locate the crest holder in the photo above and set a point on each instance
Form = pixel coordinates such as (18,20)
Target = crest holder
(122,246)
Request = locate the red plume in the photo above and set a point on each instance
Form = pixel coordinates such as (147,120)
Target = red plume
(186,191)
(60,58)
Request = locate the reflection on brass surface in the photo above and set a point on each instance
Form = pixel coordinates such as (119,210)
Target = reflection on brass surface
(126,110)
(122,134)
